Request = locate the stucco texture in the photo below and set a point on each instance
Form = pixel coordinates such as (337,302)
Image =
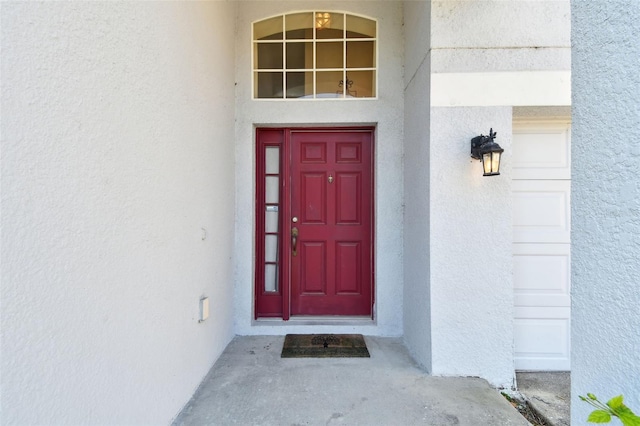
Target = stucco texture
(417,248)
(606,203)
(497,35)
(458,291)
(470,244)
(117,207)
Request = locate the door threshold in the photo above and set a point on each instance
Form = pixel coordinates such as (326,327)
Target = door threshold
(317,320)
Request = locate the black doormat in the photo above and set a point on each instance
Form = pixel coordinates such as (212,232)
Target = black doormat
(324,346)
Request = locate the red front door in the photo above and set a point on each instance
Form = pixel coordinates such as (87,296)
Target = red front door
(314,222)
(330,222)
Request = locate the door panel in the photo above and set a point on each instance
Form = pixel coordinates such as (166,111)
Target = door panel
(542,338)
(348,153)
(313,190)
(349,192)
(542,150)
(331,198)
(311,152)
(541,211)
(348,253)
(541,274)
(313,260)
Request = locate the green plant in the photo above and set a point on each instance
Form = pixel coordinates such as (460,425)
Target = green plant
(613,408)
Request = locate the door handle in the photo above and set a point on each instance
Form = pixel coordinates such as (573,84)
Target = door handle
(294,241)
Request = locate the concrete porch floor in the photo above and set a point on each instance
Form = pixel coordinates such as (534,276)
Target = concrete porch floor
(251,385)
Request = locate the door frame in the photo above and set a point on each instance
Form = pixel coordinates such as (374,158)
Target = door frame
(278,304)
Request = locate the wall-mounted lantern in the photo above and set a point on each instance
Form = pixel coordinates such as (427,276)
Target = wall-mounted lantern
(485,149)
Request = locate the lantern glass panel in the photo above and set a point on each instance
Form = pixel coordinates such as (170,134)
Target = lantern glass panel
(495,162)
(486,162)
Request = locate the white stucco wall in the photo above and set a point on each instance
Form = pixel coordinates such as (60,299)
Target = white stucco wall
(500,53)
(417,248)
(386,113)
(471,255)
(117,151)
(483,59)
(605,204)
(499,36)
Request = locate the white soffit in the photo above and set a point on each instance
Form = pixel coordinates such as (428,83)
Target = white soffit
(521,88)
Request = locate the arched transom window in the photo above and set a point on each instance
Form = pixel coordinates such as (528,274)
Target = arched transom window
(312,55)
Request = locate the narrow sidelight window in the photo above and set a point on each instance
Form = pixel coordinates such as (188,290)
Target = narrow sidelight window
(269,184)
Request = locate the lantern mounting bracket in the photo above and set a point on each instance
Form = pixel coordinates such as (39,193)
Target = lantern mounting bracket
(479,142)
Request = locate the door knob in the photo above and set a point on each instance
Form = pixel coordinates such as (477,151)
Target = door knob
(294,219)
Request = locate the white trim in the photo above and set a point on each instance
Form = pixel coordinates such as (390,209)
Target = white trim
(525,122)
(520,88)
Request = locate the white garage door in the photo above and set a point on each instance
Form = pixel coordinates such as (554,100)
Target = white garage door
(541,244)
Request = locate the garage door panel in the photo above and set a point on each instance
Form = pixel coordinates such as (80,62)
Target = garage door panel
(534,300)
(541,211)
(542,274)
(542,343)
(542,364)
(537,312)
(541,152)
